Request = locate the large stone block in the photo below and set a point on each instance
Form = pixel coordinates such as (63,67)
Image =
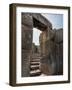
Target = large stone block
(59,36)
(27,19)
(26,37)
(52,62)
(25,70)
(59,58)
(48,64)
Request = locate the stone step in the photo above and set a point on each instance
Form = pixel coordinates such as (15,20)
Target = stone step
(34,67)
(36,55)
(33,57)
(35,72)
(35,63)
(38,60)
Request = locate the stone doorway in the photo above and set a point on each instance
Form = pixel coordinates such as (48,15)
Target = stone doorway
(30,21)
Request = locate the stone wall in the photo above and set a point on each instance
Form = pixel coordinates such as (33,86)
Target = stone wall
(52,61)
(27,26)
(59,51)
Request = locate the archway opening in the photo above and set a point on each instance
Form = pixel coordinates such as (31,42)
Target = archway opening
(36,41)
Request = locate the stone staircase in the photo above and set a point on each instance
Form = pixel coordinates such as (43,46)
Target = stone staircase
(35,65)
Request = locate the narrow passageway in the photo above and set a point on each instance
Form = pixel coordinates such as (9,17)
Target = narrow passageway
(35,60)
(35,65)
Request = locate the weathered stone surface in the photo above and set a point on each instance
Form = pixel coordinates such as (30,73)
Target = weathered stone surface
(51,34)
(53,52)
(59,51)
(48,64)
(47,43)
(59,58)
(51,45)
(42,19)
(27,19)
(42,40)
(25,63)
(47,69)
(26,42)
(35,65)
(59,35)
(26,37)
(25,27)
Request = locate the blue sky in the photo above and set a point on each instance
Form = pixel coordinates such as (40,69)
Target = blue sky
(36,34)
(55,19)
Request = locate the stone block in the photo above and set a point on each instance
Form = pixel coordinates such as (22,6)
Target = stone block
(27,19)
(25,63)
(26,38)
